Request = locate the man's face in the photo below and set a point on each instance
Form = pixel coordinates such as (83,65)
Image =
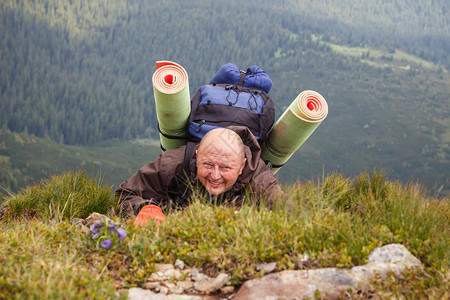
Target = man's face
(218,168)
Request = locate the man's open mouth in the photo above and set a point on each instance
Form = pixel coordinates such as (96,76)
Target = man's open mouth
(215,183)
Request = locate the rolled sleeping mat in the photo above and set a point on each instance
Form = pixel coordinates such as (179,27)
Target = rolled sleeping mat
(292,129)
(172,103)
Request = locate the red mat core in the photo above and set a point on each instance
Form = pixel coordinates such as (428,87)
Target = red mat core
(310,105)
(168,79)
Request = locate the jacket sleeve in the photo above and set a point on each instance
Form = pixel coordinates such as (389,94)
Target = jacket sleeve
(266,185)
(150,184)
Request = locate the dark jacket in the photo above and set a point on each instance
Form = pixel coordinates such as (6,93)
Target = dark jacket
(164,182)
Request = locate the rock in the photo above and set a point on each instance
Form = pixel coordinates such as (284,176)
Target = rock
(157,276)
(187,272)
(196,275)
(94,217)
(164,290)
(151,286)
(227,289)
(164,267)
(172,274)
(393,257)
(141,294)
(266,268)
(179,264)
(213,284)
(186,284)
(174,289)
(329,281)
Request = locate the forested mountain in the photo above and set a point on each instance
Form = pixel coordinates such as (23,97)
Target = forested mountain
(79,72)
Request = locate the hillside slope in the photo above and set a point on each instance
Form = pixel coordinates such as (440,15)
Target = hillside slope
(80,73)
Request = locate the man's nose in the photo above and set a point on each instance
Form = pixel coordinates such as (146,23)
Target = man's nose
(215,174)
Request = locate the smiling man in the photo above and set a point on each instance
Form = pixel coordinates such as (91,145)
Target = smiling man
(225,165)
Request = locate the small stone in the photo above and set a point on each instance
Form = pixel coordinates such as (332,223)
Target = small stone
(196,275)
(164,290)
(266,268)
(179,264)
(151,285)
(157,276)
(94,217)
(137,293)
(227,289)
(164,267)
(172,273)
(213,284)
(175,289)
(186,284)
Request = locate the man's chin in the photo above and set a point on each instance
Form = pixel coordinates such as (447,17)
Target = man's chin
(215,190)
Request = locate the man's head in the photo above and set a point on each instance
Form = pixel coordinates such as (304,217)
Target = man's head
(220,160)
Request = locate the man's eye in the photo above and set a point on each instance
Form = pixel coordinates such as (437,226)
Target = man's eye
(208,165)
(225,168)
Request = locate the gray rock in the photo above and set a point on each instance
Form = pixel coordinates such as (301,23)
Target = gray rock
(174,288)
(141,294)
(172,274)
(266,268)
(164,267)
(179,264)
(186,284)
(213,284)
(164,290)
(94,217)
(227,289)
(196,275)
(157,276)
(329,281)
(393,257)
(151,286)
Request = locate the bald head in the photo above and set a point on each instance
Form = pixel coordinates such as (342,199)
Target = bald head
(222,140)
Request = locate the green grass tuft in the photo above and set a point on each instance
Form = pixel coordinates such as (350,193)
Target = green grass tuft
(65,197)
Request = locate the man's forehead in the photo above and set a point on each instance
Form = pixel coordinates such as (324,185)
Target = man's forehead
(222,141)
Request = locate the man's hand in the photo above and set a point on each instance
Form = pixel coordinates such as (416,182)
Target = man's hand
(148,213)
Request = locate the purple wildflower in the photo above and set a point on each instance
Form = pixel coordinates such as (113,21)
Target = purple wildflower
(112,227)
(94,229)
(96,226)
(121,233)
(106,244)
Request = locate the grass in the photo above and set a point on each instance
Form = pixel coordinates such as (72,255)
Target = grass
(336,221)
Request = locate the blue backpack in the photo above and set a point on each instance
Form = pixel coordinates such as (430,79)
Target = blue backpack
(233,97)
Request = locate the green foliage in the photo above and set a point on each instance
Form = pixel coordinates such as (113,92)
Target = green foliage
(64,197)
(49,257)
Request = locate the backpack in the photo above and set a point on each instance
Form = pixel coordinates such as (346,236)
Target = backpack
(233,97)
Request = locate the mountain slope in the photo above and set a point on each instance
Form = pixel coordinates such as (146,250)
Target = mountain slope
(80,73)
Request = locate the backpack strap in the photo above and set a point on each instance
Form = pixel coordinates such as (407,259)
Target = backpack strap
(242,78)
(190,146)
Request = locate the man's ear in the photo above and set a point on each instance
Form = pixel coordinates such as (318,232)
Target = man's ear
(243,165)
